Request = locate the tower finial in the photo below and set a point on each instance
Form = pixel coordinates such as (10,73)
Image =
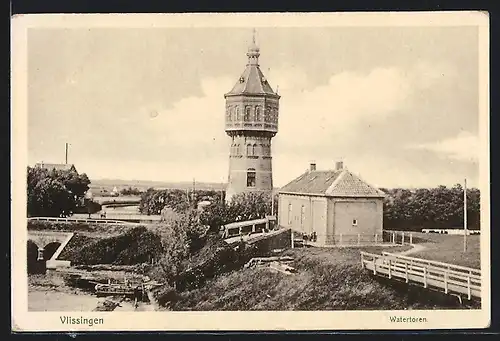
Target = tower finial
(253,51)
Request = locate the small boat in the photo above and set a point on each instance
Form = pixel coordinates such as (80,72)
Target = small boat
(116,289)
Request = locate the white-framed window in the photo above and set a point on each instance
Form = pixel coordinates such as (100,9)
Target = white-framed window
(302,216)
(355,222)
(289,213)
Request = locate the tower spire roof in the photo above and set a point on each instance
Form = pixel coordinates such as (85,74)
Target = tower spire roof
(252,80)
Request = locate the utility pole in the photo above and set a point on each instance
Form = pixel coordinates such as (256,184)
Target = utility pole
(465,215)
(67,144)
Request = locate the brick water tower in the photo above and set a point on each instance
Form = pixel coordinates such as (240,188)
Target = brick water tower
(251,123)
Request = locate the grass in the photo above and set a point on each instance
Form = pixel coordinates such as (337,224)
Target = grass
(327,279)
(449,249)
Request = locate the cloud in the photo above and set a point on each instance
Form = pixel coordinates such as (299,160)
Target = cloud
(463,147)
(189,135)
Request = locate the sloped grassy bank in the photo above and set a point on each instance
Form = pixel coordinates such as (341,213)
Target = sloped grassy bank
(327,279)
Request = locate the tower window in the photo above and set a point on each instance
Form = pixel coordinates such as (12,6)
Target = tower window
(355,222)
(251,177)
(249,150)
(257,113)
(267,114)
(247,114)
(290,214)
(254,149)
(238,117)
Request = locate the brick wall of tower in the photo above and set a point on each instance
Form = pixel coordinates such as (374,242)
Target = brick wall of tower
(249,153)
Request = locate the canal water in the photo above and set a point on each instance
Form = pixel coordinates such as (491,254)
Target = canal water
(50,292)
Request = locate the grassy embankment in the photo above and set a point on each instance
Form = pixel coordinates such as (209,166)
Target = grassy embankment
(327,279)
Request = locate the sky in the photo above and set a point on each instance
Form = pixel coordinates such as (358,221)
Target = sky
(399,105)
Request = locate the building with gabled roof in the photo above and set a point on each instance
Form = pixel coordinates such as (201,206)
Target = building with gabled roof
(336,206)
(57,166)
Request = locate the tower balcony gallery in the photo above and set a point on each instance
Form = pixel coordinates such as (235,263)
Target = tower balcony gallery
(251,122)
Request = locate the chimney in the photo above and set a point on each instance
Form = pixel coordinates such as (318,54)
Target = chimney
(312,166)
(339,165)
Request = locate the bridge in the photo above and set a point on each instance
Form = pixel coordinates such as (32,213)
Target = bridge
(448,278)
(84,220)
(50,245)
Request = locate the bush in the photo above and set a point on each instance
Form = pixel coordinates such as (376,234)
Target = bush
(137,245)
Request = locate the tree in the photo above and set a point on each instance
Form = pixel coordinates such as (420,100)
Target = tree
(54,193)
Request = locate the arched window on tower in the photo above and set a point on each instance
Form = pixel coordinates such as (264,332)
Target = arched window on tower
(249,150)
(254,150)
(233,113)
(238,114)
(228,113)
(237,150)
(247,114)
(251,177)
(267,115)
(257,113)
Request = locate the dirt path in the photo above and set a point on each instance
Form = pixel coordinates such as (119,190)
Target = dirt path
(415,248)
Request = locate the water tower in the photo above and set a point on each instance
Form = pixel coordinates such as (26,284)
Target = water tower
(251,123)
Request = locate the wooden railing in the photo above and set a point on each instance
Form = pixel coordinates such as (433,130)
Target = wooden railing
(82,220)
(452,279)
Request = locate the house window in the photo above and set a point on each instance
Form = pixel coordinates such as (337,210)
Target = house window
(257,113)
(302,216)
(289,214)
(355,222)
(251,177)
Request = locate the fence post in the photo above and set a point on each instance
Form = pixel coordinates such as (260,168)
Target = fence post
(411,238)
(445,281)
(390,274)
(362,261)
(340,240)
(403,238)
(292,241)
(374,265)
(425,277)
(359,238)
(406,272)
(376,238)
(468,286)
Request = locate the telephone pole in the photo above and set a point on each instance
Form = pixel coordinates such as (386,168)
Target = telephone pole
(67,144)
(465,215)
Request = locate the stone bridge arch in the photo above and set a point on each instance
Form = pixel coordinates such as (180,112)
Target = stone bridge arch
(53,240)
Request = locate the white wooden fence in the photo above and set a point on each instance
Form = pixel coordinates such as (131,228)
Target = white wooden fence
(450,278)
(83,220)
